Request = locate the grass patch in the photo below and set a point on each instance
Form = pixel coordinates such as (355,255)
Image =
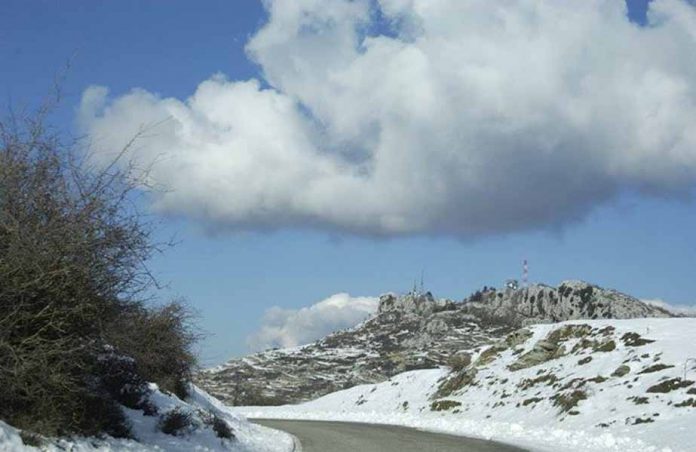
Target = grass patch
(641,420)
(670,385)
(567,401)
(567,332)
(635,340)
(606,347)
(639,400)
(607,330)
(621,371)
(490,354)
(655,368)
(527,383)
(532,400)
(518,337)
(597,379)
(686,403)
(457,381)
(444,405)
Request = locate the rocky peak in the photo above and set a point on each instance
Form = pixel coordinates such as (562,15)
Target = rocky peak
(421,304)
(572,299)
(412,302)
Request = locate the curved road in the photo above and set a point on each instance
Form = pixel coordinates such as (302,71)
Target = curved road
(323,436)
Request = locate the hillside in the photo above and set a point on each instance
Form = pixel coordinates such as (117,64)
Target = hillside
(409,332)
(598,385)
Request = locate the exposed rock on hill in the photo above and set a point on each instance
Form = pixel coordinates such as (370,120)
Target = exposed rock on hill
(570,300)
(413,331)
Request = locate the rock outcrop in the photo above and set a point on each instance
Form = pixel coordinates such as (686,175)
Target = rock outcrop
(570,300)
(414,303)
(413,331)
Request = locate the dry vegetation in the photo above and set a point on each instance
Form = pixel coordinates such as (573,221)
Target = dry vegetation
(76,320)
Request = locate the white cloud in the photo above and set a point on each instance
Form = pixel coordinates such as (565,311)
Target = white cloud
(687,310)
(291,327)
(465,118)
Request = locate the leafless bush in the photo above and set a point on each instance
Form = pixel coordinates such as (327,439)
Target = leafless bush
(222,429)
(73,248)
(175,422)
(160,340)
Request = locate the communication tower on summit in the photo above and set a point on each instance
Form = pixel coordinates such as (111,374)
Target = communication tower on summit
(513,284)
(418,290)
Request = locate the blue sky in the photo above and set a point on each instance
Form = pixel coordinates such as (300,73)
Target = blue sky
(640,244)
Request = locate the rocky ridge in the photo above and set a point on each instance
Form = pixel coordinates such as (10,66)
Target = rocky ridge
(571,300)
(408,332)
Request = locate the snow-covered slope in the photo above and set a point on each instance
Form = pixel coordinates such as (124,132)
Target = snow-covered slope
(202,411)
(412,331)
(596,385)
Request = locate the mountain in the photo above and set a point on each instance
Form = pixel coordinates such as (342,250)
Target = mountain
(409,332)
(582,385)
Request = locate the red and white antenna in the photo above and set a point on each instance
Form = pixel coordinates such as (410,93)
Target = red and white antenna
(525,273)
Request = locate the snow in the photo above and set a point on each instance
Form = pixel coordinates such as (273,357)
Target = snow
(10,439)
(617,415)
(200,437)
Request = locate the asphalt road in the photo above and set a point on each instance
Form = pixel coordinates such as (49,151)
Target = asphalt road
(320,436)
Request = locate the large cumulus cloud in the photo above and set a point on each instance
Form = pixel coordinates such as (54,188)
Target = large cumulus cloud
(291,327)
(398,117)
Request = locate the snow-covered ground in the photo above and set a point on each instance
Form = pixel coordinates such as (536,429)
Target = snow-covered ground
(580,388)
(198,437)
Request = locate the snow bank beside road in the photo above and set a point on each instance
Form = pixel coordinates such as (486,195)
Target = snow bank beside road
(609,385)
(200,436)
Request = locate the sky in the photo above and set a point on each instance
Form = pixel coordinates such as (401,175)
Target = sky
(320,153)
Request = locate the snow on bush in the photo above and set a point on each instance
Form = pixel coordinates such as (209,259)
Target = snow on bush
(200,423)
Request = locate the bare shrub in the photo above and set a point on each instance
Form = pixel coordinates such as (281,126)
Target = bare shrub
(73,253)
(222,429)
(160,340)
(119,377)
(175,422)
